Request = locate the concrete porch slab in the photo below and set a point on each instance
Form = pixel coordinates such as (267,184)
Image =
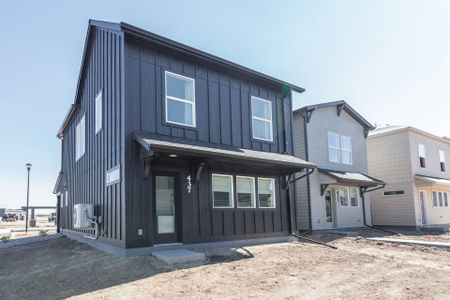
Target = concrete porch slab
(179,256)
(413,242)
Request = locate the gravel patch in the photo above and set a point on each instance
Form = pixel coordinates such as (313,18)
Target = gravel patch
(28,240)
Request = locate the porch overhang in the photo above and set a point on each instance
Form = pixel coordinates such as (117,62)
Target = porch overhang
(281,163)
(364,181)
(422,180)
(57,187)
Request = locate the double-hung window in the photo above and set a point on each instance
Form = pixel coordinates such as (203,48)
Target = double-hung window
(98,112)
(334,149)
(422,155)
(343,196)
(262,119)
(222,188)
(346,150)
(442,160)
(266,192)
(180,100)
(245,189)
(80,139)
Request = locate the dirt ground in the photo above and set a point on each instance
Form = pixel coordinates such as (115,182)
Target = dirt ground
(63,268)
(17,228)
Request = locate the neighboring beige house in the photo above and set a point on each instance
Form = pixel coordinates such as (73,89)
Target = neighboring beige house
(414,165)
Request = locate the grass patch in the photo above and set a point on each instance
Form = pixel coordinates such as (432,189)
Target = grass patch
(5,238)
(43,232)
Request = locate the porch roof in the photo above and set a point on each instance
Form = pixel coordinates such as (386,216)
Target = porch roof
(352,178)
(429,180)
(284,163)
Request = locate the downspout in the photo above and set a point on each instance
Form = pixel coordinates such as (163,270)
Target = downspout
(288,195)
(308,182)
(364,209)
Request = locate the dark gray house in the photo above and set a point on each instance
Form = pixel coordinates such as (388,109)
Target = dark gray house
(168,144)
(333,136)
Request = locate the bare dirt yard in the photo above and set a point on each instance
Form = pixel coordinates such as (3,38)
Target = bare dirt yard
(358,269)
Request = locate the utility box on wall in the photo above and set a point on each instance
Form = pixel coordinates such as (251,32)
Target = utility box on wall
(82,216)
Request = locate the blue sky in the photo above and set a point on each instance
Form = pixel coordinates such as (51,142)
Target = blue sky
(388,59)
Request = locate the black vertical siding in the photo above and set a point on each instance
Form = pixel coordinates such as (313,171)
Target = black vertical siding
(85,178)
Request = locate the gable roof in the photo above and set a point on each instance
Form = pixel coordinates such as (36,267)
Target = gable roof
(340,105)
(141,34)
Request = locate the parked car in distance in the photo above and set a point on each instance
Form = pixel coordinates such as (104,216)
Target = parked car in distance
(9,218)
(52,217)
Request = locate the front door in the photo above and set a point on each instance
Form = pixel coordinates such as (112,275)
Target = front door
(165,208)
(423,209)
(329,207)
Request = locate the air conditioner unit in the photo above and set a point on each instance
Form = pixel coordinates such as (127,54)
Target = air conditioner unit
(81,215)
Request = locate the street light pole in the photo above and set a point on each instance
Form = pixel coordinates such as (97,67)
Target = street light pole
(28,165)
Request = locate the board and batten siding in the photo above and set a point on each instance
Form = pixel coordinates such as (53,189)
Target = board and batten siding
(85,178)
(223,117)
(389,158)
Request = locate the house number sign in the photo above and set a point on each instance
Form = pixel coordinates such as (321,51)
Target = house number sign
(189,184)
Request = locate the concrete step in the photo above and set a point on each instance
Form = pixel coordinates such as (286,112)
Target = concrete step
(179,256)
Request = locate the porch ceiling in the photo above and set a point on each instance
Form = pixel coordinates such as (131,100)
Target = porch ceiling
(423,180)
(285,163)
(350,178)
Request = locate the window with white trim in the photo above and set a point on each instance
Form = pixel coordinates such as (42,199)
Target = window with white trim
(245,190)
(440,199)
(266,192)
(346,150)
(422,155)
(354,197)
(334,149)
(343,196)
(180,99)
(80,139)
(262,119)
(442,160)
(222,189)
(98,112)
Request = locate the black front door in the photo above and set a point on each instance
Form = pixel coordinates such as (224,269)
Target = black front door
(166,208)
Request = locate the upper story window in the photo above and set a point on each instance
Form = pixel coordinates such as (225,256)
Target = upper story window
(262,119)
(346,150)
(339,148)
(442,160)
(180,100)
(334,148)
(422,155)
(98,112)
(222,188)
(80,139)
(245,189)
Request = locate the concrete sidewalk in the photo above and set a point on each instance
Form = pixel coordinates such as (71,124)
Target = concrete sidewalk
(412,242)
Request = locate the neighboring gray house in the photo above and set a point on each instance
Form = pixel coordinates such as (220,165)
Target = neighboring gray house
(414,165)
(332,136)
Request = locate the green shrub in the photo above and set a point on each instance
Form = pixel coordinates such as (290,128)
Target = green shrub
(5,238)
(43,232)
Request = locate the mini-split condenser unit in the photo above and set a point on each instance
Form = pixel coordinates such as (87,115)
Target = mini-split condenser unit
(82,214)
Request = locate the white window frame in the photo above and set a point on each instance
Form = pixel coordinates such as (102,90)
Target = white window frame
(437,199)
(338,148)
(443,198)
(357,197)
(346,150)
(254,192)
(420,147)
(80,138)
(191,102)
(274,193)
(348,196)
(231,192)
(270,121)
(98,103)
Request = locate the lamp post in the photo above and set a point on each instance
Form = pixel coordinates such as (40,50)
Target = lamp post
(28,165)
